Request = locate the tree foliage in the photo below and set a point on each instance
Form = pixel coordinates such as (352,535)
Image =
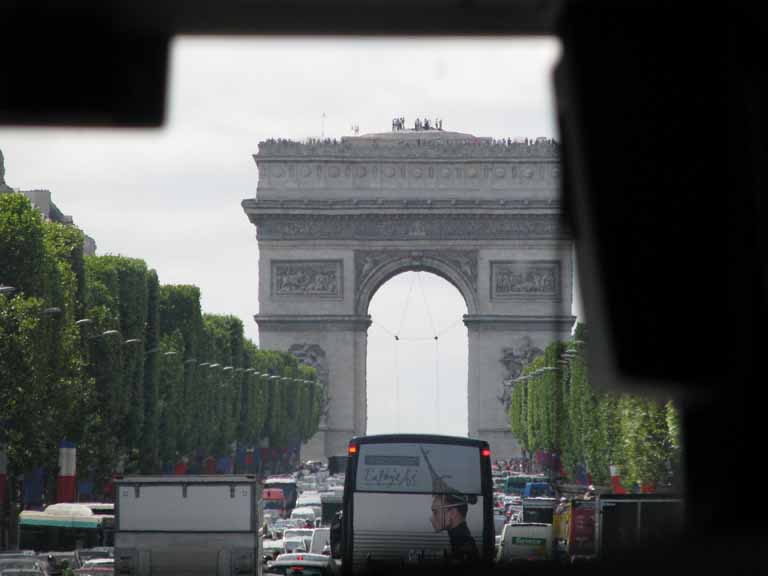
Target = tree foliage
(554,410)
(95,350)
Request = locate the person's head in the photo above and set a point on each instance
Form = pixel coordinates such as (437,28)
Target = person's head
(448,511)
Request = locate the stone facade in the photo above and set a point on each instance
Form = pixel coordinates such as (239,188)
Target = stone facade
(336,219)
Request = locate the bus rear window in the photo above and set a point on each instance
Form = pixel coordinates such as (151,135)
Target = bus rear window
(418,468)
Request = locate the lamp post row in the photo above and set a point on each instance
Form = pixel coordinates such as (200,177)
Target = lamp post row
(54,311)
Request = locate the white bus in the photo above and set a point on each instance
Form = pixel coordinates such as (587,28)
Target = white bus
(416,499)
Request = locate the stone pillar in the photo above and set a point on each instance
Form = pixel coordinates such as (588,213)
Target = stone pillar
(335,346)
(491,340)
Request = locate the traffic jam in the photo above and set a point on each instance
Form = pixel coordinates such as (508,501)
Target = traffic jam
(322,519)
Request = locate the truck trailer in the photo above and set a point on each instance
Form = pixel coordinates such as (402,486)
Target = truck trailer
(634,522)
(172,525)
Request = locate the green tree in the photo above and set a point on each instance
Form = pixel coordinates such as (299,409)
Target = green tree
(44,385)
(22,247)
(170,395)
(109,410)
(180,311)
(150,441)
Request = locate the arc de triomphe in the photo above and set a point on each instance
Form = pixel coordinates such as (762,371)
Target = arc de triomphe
(337,219)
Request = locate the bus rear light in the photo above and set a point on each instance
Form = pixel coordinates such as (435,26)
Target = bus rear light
(352,449)
(486,452)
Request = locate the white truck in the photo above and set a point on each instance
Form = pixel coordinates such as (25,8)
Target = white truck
(190,525)
(524,542)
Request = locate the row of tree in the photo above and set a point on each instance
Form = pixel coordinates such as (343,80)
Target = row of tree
(554,410)
(96,351)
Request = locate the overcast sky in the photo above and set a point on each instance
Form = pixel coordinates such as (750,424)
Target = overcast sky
(172,196)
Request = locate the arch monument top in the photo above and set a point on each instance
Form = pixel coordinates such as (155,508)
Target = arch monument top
(336,219)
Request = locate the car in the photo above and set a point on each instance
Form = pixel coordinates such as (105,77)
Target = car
(282,524)
(304,513)
(23,561)
(93,562)
(271,549)
(292,545)
(304,534)
(21,572)
(304,565)
(83,555)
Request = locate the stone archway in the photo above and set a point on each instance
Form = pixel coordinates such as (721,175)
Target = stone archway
(337,219)
(374,267)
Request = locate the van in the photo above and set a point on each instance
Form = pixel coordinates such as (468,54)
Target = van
(525,541)
(321,537)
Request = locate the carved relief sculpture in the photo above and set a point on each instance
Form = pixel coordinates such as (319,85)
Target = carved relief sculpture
(514,360)
(521,279)
(314,356)
(314,278)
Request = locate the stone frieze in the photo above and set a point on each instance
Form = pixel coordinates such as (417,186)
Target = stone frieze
(525,279)
(464,174)
(308,278)
(407,227)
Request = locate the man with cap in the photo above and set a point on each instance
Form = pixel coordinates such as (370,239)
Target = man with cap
(449,513)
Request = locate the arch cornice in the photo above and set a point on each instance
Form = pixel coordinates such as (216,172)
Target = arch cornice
(374,267)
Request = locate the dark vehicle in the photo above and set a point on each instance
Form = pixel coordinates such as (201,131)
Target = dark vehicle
(330,503)
(515,485)
(337,464)
(625,522)
(538,489)
(539,509)
(417,499)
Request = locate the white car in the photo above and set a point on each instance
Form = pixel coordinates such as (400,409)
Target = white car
(304,513)
(304,534)
(294,545)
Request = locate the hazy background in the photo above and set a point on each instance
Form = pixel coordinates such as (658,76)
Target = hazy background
(172,196)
